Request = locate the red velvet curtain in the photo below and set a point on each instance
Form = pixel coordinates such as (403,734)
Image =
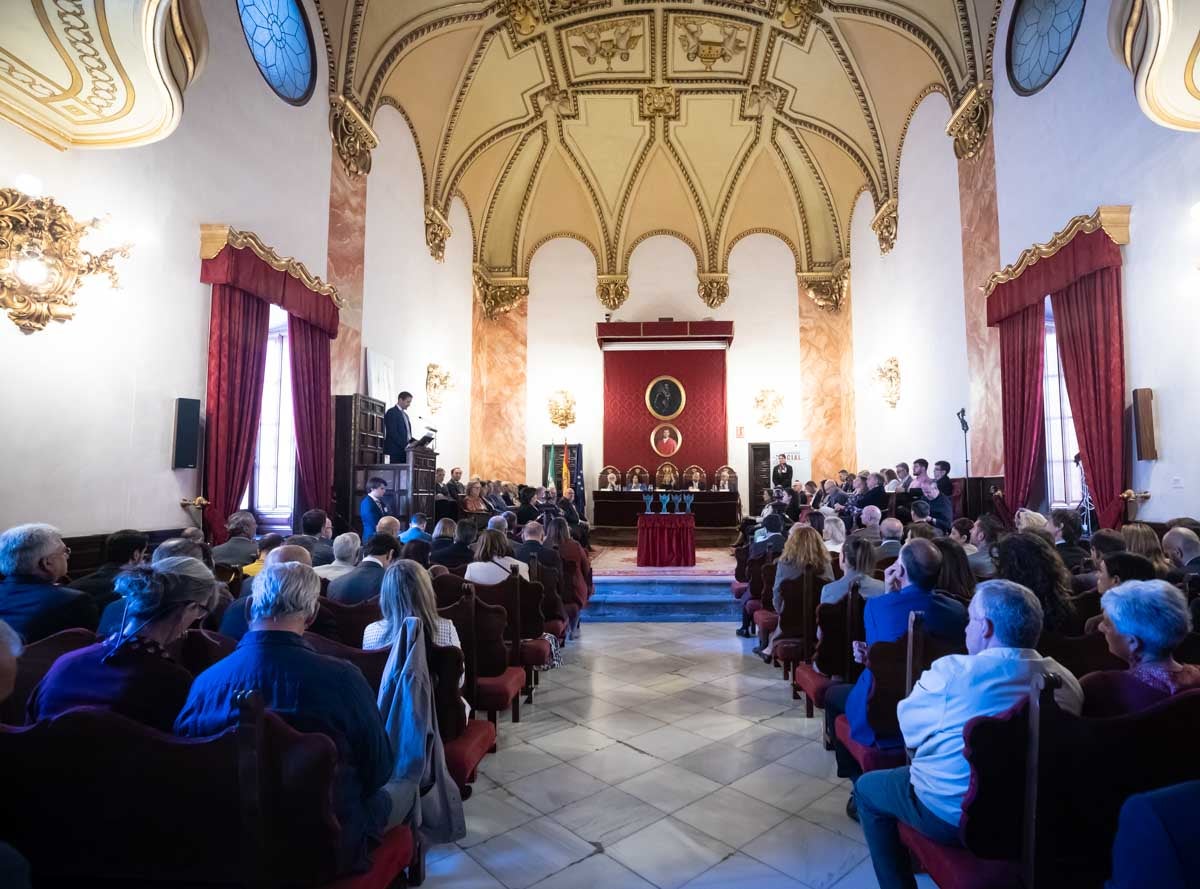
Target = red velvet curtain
(237,355)
(1087,317)
(1022,356)
(313,407)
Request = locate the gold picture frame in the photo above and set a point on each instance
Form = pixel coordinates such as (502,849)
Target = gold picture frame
(678,438)
(664,392)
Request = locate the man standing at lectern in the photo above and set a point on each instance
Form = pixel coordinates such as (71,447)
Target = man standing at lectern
(781,475)
(397,430)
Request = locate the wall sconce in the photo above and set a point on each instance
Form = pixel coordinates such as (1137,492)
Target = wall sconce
(887,375)
(562,409)
(437,384)
(41,262)
(768,403)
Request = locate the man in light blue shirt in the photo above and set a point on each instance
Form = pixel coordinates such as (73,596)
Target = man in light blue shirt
(416,530)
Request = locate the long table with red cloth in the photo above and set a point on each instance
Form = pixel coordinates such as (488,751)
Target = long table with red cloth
(666,541)
(712,509)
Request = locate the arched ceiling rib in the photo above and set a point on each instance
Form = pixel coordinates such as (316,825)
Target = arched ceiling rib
(607,120)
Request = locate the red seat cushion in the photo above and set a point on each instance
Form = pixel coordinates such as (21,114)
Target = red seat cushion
(388,859)
(557,628)
(808,680)
(752,605)
(956,868)
(536,653)
(869,759)
(464,753)
(766,620)
(572,611)
(739,588)
(497,692)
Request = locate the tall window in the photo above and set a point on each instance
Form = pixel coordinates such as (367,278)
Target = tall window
(271,494)
(1064,486)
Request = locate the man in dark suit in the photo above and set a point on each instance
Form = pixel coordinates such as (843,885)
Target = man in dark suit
(373,507)
(241,548)
(534,547)
(941,474)
(32,559)
(1067,528)
(456,550)
(316,531)
(1182,547)
(1158,839)
(397,430)
(579,528)
(122,549)
(875,494)
(941,511)
(891,532)
(781,474)
(772,541)
(363,582)
(455,487)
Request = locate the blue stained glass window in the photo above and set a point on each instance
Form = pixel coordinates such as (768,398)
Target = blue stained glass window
(1040,36)
(281,42)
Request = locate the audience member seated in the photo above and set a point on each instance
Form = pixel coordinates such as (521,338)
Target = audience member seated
(920,530)
(955,577)
(558,538)
(920,472)
(112,619)
(456,550)
(1029,520)
(364,581)
(919,509)
(122,549)
(874,493)
(1117,568)
(985,534)
(235,622)
(1158,839)
(316,530)
(196,535)
(407,591)
(389,525)
(1027,558)
(768,538)
(534,547)
(960,533)
(1144,622)
(580,529)
(494,496)
(909,583)
(473,500)
(131,672)
(891,536)
(373,507)
(416,529)
(240,549)
(309,691)
(997,671)
(345,557)
(941,510)
(857,559)
(439,484)
(834,534)
(1067,528)
(417,551)
(33,559)
(804,553)
(834,497)
(1182,546)
(266,543)
(498,523)
(871,517)
(527,512)
(454,487)
(493,561)
(902,481)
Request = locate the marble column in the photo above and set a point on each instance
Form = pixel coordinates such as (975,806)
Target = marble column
(346,252)
(499,361)
(981,257)
(826,398)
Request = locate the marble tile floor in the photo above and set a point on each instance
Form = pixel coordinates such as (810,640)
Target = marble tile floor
(659,755)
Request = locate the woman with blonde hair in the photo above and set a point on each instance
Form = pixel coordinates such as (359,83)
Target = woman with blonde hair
(804,553)
(1029,520)
(407,591)
(1141,540)
(834,534)
(493,561)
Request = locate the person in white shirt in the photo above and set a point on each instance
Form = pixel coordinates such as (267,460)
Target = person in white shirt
(493,560)
(1005,623)
(345,552)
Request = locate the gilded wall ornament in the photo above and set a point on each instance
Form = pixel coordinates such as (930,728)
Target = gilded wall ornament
(437,232)
(437,384)
(522,14)
(500,295)
(830,292)
(560,101)
(561,407)
(612,291)
(724,42)
(886,224)
(41,263)
(971,121)
(607,41)
(659,101)
(561,7)
(887,376)
(714,289)
(1113,219)
(767,405)
(353,136)
(798,15)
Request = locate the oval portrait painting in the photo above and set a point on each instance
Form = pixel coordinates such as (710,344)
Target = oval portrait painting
(666,440)
(665,397)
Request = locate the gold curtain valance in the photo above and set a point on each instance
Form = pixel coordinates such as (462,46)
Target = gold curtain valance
(213,238)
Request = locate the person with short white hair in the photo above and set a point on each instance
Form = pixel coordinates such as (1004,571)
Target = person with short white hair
(311,692)
(33,559)
(498,523)
(1182,547)
(870,517)
(834,534)
(997,672)
(1144,622)
(345,556)
(240,549)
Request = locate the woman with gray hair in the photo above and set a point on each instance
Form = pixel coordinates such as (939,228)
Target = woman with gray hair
(1144,622)
(131,672)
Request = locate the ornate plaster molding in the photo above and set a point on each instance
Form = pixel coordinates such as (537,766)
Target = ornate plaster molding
(887,376)
(713,289)
(498,296)
(214,237)
(1159,42)
(437,232)
(971,121)
(797,15)
(522,15)
(437,384)
(886,224)
(353,136)
(1113,219)
(830,290)
(612,291)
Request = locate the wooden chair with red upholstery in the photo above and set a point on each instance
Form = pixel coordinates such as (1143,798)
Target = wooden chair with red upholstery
(553,609)
(448,589)
(460,570)
(753,596)
(498,680)
(350,620)
(1080,654)
(573,592)
(522,603)
(832,657)
(371,662)
(32,666)
(466,741)
(151,825)
(797,622)
(741,578)
(766,618)
(197,650)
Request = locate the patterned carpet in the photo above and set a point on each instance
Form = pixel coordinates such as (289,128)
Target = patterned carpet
(621,561)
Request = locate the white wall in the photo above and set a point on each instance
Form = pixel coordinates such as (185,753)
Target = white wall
(909,304)
(415,310)
(88,405)
(1081,142)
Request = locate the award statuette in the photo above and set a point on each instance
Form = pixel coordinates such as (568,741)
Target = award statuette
(676,499)
(663,498)
(687,502)
(649,498)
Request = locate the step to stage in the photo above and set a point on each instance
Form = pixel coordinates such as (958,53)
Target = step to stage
(661,599)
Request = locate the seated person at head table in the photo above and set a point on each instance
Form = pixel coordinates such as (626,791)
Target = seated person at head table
(611,483)
(724,482)
(639,482)
(668,481)
(694,483)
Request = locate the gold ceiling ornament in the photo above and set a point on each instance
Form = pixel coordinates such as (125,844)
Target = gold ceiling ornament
(767,404)
(886,223)
(887,376)
(437,232)
(971,121)
(437,384)
(563,7)
(559,101)
(498,296)
(214,237)
(760,97)
(799,14)
(660,101)
(522,15)
(729,41)
(562,408)
(41,262)
(353,136)
(1114,219)
(612,291)
(607,41)
(829,291)
(713,289)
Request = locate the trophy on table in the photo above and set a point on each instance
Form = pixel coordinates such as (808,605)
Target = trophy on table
(676,499)
(687,502)
(649,498)
(663,498)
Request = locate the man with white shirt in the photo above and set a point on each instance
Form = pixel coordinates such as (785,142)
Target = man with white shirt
(1005,623)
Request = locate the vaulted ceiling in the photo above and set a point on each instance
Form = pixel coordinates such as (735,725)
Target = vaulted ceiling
(610,121)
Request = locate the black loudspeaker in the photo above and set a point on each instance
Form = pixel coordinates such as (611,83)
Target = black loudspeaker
(187,433)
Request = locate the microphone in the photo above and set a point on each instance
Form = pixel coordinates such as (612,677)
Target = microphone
(962,419)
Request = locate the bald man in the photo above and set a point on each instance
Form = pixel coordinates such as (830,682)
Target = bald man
(870,518)
(1182,547)
(389,525)
(235,623)
(891,532)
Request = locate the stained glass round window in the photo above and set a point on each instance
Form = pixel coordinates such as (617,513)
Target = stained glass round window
(1040,36)
(281,42)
